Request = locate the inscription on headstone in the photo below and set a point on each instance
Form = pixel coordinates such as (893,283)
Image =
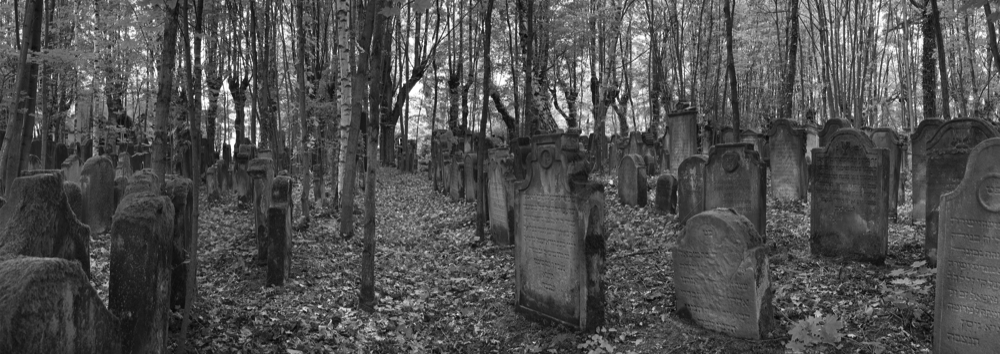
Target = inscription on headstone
(736,179)
(788,161)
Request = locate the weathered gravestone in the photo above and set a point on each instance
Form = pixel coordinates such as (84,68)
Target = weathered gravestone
(812,140)
(72,168)
(918,141)
(74,196)
(665,195)
(849,180)
(727,136)
(143,181)
(97,179)
(736,179)
(279,220)
(179,190)
(471,175)
(446,161)
(121,183)
(788,161)
(752,137)
(887,139)
(241,179)
(34,163)
(721,275)
(49,306)
(560,246)
(139,284)
(124,168)
(966,318)
(261,170)
(632,187)
(691,187)
(500,192)
(683,137)
(650,152)
(226,170)
(830,127)
(457,188)
(37,221)
(212,182)
(947,154)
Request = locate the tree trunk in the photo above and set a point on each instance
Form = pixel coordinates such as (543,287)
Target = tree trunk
(17,142)
(359,86)
(942,63)
(992,33)
(928,76)
(788,86)
(481,156)
(730,67)
(166,88)
(196,139)
(304,153)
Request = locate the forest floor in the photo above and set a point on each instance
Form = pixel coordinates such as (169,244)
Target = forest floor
(442,291)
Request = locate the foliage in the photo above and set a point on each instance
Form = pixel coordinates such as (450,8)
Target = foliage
(815,331)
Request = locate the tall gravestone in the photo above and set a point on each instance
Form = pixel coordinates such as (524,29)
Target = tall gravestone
(471,177)
(139,281)
(179,190)
(947,154)
(849,180)
(830,127)
(500,191)
(457,188)
(241,178)
(735,178)
(788,161)
(560,243)
(97,180)
(812,140)
(261,171)
(73,168)
(721,275)
(632,187)
(887,138)
(918,169)
(665,195)
(279,219)
(965,306)
(684,137)
(691,187)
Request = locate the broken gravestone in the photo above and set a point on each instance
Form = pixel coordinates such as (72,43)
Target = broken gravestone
(665,195)
(918,141)
(560,243)
(721,275)
(97,180)
(849,205)
(139,284)
(691,187)
(279,220)
(632,186)
(788,161)
(965,305)
(735,178)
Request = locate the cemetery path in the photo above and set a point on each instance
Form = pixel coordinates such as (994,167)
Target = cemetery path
(440,291)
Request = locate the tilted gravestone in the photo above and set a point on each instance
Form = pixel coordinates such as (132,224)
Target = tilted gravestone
(918,169)
(947,154)
(788,161)
(560,242)
(887,138)
(632,187)
(139,283)
(49,306)
(471,176)
(721,275)
(691,187)
(37,221)
(683,137)
(735,178)
(830,127)
(965,305)
(97,179)
(665,195)
(179,190)
(849,180)
(279,220)
(500,192)
(261,171)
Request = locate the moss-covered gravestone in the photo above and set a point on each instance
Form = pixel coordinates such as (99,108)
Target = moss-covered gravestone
(735,178)
(632,186)
(721,275)
(918,169)
(560,247)
(691,187)
(279,220)
(97,180)
(179,190)
(966,318)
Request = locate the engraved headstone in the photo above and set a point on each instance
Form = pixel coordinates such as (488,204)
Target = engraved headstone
(918,169)
(830,127)
(500,191)
(665,196)
(947,154)
(849,178)
(560,242)
(735,178)
(683,137)
(721,275)
(886,138)
(965,305)
(632,188)
(691,187)
(788,161)
(279,219)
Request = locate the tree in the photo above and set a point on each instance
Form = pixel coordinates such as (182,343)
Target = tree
(165,90)
(304,156)
(730,66)
(487,67)
(18,139)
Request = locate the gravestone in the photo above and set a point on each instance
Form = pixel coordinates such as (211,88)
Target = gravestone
(850,198)
(560,242)
(721,275)
(37,221)
(947,154)
(62,152)
(886,138)
(471,176)
(445,186)
(727,136)
(143,181)
(49,306)
(812,140)
(830,127)
(34,163)
(121,183)
(632,188)
(457,188)
(965,305)
(97,179)
(261,171)
(74,196)
(241,179)
(691,187)
(212,182)
(124,168)
(752,137)
(72,168)
(788,161)
(139,283)
(650,151)
(500,192)
(735,178)
(226,170)
(918,169)
(665,196)
(279,220)
(179,190)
